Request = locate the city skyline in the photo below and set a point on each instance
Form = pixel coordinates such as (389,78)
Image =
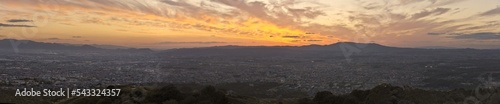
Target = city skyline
(197,23)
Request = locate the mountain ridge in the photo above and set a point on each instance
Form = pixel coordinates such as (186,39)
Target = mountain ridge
(339,46)
(29,44)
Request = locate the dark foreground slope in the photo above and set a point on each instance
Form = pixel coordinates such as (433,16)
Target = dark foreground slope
(382,94)
(387,94)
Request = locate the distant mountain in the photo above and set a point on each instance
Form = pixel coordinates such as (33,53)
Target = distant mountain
(28,44)
(437,47)
(333,50)
(134,50)
(109,46)
(265,51)
(102,46)
(7,44)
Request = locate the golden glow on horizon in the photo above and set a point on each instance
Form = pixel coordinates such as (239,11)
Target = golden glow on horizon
(248,28)
(150,23)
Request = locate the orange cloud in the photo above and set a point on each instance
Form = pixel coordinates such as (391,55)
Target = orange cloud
(169,16)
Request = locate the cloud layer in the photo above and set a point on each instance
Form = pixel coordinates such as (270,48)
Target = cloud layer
(14,25)
(479,36)
(286,21)
(19,20)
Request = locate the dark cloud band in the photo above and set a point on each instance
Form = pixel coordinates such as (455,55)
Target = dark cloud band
(12,25)
(19,20)
(478,36)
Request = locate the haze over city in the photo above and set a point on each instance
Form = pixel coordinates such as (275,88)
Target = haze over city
(165,24)
(249,51)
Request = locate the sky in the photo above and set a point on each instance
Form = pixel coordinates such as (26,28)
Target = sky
(165,24)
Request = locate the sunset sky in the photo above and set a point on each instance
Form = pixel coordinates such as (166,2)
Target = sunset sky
(165,24)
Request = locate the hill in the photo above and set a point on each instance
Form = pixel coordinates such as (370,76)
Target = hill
(9,44)
(272,51)
(13,45)
(333,50)
(381,94)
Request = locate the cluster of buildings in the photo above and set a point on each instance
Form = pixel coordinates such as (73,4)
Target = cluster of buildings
(305,74)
